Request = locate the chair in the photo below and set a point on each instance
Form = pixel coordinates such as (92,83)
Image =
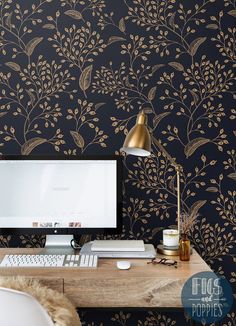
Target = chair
(26,302)
(19,308)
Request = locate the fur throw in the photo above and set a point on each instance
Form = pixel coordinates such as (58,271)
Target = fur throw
(59,308)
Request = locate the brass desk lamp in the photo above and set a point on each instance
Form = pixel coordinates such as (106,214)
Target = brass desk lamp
(138,142)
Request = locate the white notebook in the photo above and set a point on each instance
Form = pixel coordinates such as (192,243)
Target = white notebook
(118,245)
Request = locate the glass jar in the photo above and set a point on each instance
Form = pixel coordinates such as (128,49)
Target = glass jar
(184,248)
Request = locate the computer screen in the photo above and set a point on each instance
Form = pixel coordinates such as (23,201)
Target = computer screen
(59,195)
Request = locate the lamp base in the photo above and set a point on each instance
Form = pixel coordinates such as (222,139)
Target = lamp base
(167,251)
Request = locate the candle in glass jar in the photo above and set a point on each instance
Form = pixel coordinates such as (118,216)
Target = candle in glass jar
(171,238)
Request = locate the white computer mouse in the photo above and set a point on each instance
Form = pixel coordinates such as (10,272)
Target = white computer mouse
(123,264)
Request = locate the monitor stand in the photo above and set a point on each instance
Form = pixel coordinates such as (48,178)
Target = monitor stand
(58,245)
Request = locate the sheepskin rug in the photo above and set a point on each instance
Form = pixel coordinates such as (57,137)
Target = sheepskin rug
(59,308)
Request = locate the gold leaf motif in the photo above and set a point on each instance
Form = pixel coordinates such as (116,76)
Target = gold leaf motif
(193,47)
(158,118)
(13,65)
(29,145)
(98,105)
(232,12)
(113,39)
(176,65)
(127,83)
(48,26)
(2,114)
(156,230)
(172,20)
(122,25)
(212,189)
(29,48)
(172,183)
(156,67)
(191,147)
(85,78)
(196,206)
(212,26)
(31,95)
(232,176)
(8,20)
(172,226)
(147,110)
(152,93)
(74,14)
(194,95)
(78,139)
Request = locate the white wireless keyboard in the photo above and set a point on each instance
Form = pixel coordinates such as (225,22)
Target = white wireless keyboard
(84,261)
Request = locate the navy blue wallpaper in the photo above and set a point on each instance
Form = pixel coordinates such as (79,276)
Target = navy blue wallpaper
(75,73)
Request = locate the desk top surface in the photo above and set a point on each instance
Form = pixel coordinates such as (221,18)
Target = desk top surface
(142,286)
(107,267)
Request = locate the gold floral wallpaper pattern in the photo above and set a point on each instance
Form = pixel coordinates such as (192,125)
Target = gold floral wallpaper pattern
(75,73)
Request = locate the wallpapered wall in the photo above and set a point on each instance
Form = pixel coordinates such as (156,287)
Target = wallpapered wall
(74,74)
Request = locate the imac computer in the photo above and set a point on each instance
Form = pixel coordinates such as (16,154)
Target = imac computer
(60,196)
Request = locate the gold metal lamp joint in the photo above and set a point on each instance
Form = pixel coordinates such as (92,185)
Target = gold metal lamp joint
(141,118)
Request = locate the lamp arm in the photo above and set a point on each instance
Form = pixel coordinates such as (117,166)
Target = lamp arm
(178,169)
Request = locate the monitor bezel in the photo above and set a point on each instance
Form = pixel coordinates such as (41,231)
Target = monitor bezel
(73,231)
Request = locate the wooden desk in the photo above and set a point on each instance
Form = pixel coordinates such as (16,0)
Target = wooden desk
(143,286)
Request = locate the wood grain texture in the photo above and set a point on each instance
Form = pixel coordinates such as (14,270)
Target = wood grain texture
(51,282)
(144,285)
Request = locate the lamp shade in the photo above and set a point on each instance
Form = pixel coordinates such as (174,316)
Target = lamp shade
(138,140)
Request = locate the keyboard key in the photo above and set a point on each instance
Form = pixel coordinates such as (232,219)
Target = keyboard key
(91,261)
